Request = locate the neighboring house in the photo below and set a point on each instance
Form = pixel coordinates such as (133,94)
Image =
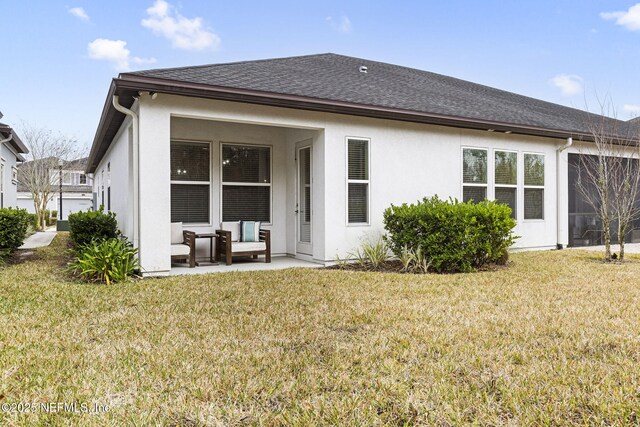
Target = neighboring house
(318,146)
(11,151)
(77,189)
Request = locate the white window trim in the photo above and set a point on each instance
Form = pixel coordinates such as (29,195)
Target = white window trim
(540,187)
(198,224)
(516,186)
(249,184)
(489,172)
(357,181)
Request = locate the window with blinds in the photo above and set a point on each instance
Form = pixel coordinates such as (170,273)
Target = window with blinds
(246,183)
(533,186)
(506,179)
(190,182)
(474,174)
(357,181)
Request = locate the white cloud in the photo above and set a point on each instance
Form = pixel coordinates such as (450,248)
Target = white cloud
(116,52)
(342,25)
(184,33)
(569,84)
(629,19)
(632,109)
(79,13)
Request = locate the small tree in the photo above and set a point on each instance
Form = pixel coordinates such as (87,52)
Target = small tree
(41,174)
(609,179)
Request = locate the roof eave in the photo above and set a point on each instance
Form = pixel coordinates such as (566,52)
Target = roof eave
(128,85)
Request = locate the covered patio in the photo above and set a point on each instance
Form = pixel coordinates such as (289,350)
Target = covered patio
(244,264)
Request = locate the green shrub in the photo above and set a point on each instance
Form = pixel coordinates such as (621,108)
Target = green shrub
(54,213)
(92,225)
(33,220)
(13,228)
(109,261)
(449,236)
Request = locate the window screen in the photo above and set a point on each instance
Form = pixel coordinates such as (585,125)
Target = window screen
(190,182)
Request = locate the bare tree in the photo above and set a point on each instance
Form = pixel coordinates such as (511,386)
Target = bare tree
(40,174)
(609,177)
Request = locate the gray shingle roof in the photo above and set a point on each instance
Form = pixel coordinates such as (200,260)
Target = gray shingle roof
(334,77)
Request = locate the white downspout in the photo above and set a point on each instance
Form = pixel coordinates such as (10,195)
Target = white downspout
(9,138)
(136,178)
(562,198)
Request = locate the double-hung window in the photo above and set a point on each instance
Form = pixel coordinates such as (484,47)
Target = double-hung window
(246,183)
(506,179)
(357,181)
(474,174)
(190,182)
(533,186)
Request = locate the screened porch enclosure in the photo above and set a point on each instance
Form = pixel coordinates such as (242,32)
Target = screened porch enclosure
(224,172)
(585,226)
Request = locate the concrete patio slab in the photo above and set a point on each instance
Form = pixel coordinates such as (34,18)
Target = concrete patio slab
(39,239)
(629,248)
(277,263)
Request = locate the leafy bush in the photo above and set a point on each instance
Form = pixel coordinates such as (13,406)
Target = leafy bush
(33,220)
(110,261)
(449,236)
(92,225)
(54,213)
(13,228)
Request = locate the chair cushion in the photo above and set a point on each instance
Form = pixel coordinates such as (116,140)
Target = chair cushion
(233,227)
(249,231)
(180,249)
(176,233)
(248,246)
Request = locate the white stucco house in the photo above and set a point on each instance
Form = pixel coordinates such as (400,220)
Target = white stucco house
(318,146)
(11,154)
(77,189)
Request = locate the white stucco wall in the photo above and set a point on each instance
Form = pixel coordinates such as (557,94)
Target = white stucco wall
(10,189)
(118,160)
(71,202)
(408,161)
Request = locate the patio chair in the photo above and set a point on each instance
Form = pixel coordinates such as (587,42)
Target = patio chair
(229,243)
(183,244)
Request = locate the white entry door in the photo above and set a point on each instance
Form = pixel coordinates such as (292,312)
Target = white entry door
(304,213)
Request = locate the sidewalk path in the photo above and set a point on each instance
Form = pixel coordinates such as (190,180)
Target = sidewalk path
(39,239)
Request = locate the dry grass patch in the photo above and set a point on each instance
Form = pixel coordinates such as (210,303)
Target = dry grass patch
(552,340)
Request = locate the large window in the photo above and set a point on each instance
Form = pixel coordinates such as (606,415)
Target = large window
(506,179)
(190,182)
(474,174)
(358,181)
(533,186)
(246,183)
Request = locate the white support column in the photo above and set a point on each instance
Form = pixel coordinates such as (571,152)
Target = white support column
(562,195)
(155,187)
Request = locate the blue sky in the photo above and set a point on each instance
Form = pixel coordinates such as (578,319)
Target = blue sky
(59,56)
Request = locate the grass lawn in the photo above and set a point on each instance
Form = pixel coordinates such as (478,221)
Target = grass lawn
(552,340)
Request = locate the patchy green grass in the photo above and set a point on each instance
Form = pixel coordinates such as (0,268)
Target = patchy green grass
(552,340)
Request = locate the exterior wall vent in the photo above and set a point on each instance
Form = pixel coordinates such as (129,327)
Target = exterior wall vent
(364,69)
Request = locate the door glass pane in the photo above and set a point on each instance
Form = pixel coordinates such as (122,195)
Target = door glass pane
(304,196)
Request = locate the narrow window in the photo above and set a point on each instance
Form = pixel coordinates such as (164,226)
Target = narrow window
(506,179)
(474,174)
(109,199)
(246,183)
(533,186)
(358,181)
(190,182)
(83,179)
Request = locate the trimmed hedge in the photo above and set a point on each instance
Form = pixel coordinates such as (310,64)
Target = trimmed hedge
(87,226)
(13,228)
(453,236)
